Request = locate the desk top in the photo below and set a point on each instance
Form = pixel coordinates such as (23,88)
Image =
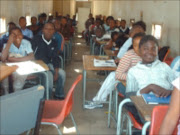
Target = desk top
(110,52)
(40,62)
(88,63)
(144,109)
(6,71)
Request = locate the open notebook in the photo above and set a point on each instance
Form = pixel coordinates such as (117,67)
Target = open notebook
(27,67)
(104,63)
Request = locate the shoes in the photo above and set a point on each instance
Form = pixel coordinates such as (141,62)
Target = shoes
(58,98)
(92,105)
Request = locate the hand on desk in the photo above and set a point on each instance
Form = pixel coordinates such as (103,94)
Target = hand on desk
(157,90)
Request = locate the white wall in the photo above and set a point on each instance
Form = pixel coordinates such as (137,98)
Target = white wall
(13,9)
(163,12)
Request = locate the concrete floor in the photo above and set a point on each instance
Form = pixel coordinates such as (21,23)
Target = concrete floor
(89,122)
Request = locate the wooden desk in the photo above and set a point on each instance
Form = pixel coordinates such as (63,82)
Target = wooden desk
(5,71)
(88,64)
(110,52)
(144,109)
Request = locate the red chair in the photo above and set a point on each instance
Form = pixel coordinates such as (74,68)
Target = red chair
(158,115)
(55,111)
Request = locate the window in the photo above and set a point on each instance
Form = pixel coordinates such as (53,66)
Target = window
(2,25)
(28,20)
(157,30)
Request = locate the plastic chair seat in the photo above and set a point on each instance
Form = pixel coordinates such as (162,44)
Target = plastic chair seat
(136,124)
(53,116)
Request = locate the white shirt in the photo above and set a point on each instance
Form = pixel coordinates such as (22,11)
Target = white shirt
(24,49)
(124,48)
(176,83)
(142,75)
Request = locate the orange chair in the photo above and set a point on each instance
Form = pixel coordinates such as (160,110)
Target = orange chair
(55,111)
(158,115)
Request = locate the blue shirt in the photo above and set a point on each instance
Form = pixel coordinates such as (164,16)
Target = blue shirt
(24,49)
(28,33)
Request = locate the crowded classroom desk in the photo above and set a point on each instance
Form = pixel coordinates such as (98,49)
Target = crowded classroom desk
(144,109)
(11,69)
(88,64)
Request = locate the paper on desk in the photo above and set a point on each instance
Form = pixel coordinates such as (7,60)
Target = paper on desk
(104,63)
(27,67)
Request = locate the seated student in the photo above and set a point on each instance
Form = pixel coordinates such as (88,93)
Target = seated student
(40,22)
(46,49)
(173,113)
(112,27)
(149,76)
(17,49)
(130,59)
(64,29)
(123,29)
(116,41)
(34,27)
(137,27)
(4,38)
(106,24)
(58,36)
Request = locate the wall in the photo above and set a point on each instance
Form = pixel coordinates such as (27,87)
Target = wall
(163,12)
(13,9)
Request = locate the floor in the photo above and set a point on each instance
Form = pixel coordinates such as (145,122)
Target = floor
(89,122)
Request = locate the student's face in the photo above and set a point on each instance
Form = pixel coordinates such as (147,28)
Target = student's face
(123,24)
(115,37)
(148,52)
(112,24)
(57,25)
(136,44)
(48,31)
(17,37)
(22,23)
(63,21)
(33,21)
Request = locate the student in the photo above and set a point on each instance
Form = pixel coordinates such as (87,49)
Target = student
(58,36)
(123,29)
(26,32)
(17,49)
(112,27)
(65,29)
(149,76)
(128,43)
(4,38)
(131,58)
(173,113)
(46,49)
(34,27)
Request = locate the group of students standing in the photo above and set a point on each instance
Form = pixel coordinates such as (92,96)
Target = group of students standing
(39,41)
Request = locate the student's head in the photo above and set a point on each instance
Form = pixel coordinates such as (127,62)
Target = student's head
(57,24)
(98,22)
(99,32)
(140,23)
(123,23)
(10,26)
(112,24)
(136,29)
(108,19)
(40,19)
(48,30)
(33,20)
(22,22)
(18,36)
(114,36)
(63,21)
(136,40)
(44,16)
(148,48)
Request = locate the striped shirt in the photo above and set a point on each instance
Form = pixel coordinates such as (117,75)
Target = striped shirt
(127,61)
